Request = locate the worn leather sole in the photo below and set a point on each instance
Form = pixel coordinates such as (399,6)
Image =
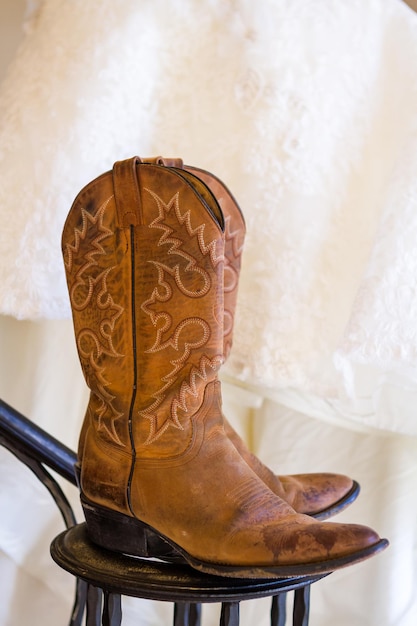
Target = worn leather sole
(340,505)
(128,535)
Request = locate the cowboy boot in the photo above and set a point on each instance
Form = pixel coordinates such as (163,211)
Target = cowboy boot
(320,495)
(143,253)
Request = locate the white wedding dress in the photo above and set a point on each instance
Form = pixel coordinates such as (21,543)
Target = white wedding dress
(306,109)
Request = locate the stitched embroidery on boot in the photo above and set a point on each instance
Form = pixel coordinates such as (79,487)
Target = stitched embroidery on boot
(232,261)
(207,367)
(184,339)
(183,219)
(89,289)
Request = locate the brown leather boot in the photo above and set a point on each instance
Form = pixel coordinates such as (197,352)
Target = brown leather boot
(143,251)
(320,495)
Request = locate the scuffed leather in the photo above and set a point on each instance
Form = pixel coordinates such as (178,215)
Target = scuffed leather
(313,493)
(147,295)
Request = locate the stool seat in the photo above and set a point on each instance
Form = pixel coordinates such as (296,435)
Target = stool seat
(153,579)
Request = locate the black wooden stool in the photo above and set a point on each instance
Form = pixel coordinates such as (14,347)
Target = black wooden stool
(108,576)
(102,577)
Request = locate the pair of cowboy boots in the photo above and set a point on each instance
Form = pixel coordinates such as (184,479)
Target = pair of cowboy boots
(152,255)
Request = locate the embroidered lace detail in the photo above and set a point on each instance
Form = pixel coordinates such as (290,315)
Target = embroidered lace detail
(301,124)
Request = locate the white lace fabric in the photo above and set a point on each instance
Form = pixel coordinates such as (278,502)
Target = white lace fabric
(306,109)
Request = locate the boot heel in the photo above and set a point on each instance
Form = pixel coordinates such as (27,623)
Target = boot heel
(121,533)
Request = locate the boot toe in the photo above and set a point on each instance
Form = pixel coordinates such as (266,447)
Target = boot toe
(320,495)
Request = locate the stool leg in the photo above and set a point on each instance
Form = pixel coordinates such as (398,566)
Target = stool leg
(279,610)
(301,606)
(181,610)
(229,615)
(187,614)
(79,603)
(195,614)
(94,604)
(112,609)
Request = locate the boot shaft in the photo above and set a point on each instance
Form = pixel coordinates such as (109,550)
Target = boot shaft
(235,230)
(143,252)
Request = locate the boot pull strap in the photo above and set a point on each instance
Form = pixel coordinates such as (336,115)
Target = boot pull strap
(167,161)
(126,192)
(126,186)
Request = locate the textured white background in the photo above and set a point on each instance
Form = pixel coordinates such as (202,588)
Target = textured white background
(39,372)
